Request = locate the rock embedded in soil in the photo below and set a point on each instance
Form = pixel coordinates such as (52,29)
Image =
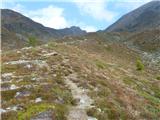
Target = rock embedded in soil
(46,115)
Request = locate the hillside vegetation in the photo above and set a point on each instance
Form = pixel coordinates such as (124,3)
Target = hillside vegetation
(41,81)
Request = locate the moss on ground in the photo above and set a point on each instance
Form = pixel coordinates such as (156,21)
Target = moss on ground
(34,109)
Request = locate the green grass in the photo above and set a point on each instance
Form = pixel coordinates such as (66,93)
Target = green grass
(34,109)
(32,41)
(110,109)
(130,81)
(154,110)
(65,95)
(103,91)
(100,64)
(59,111)
(158,77)
(149,97)
(156,89)
(139,65)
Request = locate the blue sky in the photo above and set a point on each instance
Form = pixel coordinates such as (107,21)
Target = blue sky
(90,15)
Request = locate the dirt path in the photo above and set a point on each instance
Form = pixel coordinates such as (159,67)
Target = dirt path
(84,101)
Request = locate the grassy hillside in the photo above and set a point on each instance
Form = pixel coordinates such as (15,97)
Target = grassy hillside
(44,80)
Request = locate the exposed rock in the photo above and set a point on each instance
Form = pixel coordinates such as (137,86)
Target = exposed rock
(26,48)
(33,79)
(47,115)
(51,54)
(91,118)
(12,87)
(38,100)
(28,66)
(77,114)
(22,94)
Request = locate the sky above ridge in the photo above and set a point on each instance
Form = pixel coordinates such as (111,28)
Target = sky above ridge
(90,15)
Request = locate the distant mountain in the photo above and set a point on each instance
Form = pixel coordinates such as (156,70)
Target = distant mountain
(139,29)
(23,27)
(144,17)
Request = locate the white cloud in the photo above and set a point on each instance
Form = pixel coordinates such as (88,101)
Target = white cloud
(50,16)
(96,9)
(53,16)
(90,28)
(99,11)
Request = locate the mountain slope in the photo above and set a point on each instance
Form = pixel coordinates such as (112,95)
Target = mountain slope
(24,27)
(90,79)
(147,40)
(144,17)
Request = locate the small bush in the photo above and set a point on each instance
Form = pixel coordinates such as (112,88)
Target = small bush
(32,41)
(60,111)
(92,112)
(158,77)
(101,64)
(139,65)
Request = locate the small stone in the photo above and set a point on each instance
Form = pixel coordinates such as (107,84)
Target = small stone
(26,48)
(33,79)
(28,66)
(13,87)
(22,94)
(17,94)
(91,118)
(99,109)
(82,101)
(38,100)
(8,108)
(46,115)
(54,75)
(51,54)
(18,51)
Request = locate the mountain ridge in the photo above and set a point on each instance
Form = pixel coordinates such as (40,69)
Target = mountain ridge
(144,17)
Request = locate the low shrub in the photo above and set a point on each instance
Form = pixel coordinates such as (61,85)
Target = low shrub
(139,65)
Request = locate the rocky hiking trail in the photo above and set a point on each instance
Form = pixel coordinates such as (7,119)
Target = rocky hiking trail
(75,112)
(78,112)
